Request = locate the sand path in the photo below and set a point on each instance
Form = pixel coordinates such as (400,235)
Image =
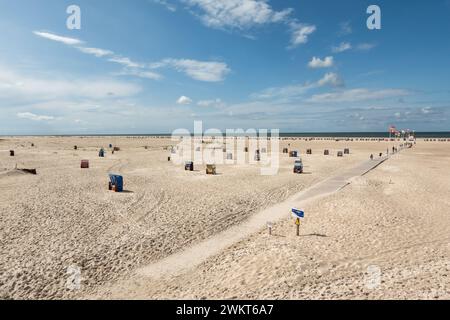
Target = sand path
(191,257)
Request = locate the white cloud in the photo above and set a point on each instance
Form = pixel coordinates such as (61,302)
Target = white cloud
(54,37)
(283,92)
(184,100)
(99,53)
(426,110)
(237,14)
(169,6)
(217,103)
(209,71)
(344,46)
(345,28)
(354,95)
(244,15)
(34,117)
(300,33)
(318,63)
(140,73)
(126,62)
(331,79)
(365,46)
(13,84)
(131,66)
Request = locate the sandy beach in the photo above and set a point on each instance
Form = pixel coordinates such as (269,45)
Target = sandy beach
(385,235)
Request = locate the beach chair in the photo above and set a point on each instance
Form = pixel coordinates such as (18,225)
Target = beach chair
(326,152)
(309,151)
(210,169)
(340,154)
(189,166)
(84,164)
(115,183)
(293,154)
(346,151)
(298,166)
(257,155)
(11,153)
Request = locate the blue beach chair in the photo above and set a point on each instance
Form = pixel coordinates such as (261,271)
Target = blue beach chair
(115,182)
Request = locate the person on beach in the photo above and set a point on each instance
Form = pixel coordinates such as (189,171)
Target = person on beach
(371,157)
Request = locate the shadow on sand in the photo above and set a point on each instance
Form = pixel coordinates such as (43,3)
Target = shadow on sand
(315,235)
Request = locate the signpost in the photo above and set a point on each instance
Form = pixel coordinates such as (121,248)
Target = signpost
(269,226)
(298,214)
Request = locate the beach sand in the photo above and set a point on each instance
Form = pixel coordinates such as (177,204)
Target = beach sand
(393,221)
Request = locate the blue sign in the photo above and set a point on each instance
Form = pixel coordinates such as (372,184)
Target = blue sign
(298,213)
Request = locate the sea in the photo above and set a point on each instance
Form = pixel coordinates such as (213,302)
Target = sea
(422,135)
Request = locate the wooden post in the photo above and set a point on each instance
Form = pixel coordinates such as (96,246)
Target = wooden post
(297,222)
(269,226)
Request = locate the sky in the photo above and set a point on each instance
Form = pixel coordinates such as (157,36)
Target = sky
(154,66)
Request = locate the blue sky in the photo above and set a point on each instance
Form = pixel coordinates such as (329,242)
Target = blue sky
(152,66)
